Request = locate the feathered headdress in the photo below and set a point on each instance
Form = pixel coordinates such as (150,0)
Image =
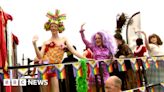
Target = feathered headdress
(57,19)
(120,22)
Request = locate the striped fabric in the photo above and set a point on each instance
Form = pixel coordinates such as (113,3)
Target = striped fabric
(155,75)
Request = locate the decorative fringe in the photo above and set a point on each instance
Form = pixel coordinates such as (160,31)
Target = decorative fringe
(81,82)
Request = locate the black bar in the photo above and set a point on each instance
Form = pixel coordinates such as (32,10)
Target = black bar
(67,79)
(101,76)
(97,87)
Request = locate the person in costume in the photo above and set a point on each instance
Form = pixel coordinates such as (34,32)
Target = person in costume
(123,51)
(102,47)
(52,51)
(140,51)
(155,48)
(88,53)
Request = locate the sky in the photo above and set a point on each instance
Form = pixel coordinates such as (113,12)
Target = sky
(29,18)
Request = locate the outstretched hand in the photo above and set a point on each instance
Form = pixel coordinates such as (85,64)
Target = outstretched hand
(82,29)
(35,39)
(141,32)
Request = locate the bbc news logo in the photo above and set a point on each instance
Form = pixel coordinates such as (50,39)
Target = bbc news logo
(23,82)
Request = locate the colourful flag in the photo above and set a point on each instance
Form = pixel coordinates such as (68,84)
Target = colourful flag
(145,62)
(155,61)
(77,69)
(121,65)
(94,67)
(134,64)
(109,67)
(60,70)
(42,72)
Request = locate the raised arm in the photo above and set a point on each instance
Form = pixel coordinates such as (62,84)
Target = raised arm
(86,42)
(72,50)
(39,54)
(146,40)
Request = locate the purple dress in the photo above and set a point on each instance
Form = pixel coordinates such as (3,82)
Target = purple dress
(99,53)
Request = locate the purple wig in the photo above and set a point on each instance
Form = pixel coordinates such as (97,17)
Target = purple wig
(107,40)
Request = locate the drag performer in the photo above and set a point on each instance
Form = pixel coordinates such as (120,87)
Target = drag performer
(53,49)
(102,47)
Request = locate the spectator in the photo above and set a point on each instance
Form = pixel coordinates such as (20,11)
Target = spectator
(113,84)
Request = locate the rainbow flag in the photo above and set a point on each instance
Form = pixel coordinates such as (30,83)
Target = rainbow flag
(78,72)
(146,64)
(61,74)
(110,68)
(41,76)
(77,69)
(134,64)
(156,62)
(94,67)
(96,70)
(42,72)
(121,65)
(60,70)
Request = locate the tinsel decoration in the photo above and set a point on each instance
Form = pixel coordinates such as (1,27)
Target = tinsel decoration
(81,82)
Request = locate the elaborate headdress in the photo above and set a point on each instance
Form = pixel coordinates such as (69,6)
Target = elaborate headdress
(57,19)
